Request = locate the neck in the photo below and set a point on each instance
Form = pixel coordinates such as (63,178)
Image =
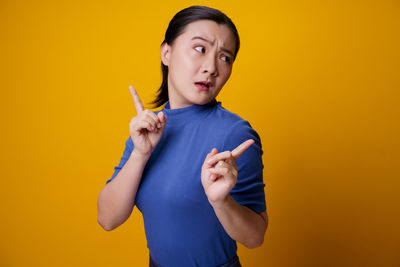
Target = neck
(176,106)
(190,113)
(174,103)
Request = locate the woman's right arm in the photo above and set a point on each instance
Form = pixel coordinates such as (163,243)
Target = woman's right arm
(117,199)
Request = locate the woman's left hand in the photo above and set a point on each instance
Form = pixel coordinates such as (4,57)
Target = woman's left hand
(218,180)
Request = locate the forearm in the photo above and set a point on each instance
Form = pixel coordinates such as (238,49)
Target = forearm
(241,223)
(117,199)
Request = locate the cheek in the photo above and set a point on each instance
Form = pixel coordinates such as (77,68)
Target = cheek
(184,64)
(189,62)
(225,73)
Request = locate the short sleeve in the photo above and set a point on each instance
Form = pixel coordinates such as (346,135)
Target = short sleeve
(249,188)
(125,156)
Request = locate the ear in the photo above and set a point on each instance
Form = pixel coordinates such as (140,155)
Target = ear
(165,53)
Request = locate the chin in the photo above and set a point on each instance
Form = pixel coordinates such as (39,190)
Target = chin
(201,98)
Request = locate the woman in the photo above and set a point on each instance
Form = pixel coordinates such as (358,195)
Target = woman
(196,202)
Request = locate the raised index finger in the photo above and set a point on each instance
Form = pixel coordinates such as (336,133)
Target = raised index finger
(241,148)
(136,100)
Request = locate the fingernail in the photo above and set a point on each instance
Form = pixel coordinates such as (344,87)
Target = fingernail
(159,125)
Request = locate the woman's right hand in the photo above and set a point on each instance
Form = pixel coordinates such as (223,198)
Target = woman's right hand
(146,128)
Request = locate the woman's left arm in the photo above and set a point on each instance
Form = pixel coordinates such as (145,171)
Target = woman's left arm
(240,222)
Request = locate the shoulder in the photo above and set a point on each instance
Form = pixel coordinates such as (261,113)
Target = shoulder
(229,118)
(238,130)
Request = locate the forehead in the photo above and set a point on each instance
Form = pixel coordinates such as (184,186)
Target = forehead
(211,31)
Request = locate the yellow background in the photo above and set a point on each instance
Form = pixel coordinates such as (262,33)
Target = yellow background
(318,80)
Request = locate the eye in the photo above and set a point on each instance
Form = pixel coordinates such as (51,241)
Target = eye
(227,59)
(200,47)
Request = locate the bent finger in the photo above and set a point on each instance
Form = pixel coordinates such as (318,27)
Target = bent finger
(213,177)
(153,119)
(144,124)
(222,171)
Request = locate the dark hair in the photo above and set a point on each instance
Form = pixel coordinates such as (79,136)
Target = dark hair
(176,27)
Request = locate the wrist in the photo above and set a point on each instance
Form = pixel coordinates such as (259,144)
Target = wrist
(222,203)
(136,155)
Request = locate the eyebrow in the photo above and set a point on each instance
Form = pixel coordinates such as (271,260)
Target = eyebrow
(208,41)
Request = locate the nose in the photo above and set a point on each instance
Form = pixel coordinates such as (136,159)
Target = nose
(210,65)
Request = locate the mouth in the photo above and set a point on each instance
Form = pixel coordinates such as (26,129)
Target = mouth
(203,85)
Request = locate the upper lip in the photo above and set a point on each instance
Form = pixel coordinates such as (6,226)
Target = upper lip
(209,84)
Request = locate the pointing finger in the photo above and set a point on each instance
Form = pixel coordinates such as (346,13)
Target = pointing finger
(136,100)
(241,148)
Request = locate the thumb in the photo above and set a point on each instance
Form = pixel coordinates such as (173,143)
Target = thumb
(162,117)
(213,152)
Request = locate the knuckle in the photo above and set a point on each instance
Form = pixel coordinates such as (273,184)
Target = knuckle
(143,119)
(140,116)
(150,115)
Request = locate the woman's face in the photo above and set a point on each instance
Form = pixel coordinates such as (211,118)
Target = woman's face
(203,52)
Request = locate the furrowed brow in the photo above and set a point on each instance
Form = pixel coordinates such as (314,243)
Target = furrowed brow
(208,41)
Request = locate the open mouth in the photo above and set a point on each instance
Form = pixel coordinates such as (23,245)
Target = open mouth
(203,85)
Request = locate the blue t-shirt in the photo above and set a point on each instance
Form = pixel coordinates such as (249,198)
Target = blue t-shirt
(180,224)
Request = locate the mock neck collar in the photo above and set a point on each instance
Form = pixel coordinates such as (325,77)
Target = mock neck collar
(189,113)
